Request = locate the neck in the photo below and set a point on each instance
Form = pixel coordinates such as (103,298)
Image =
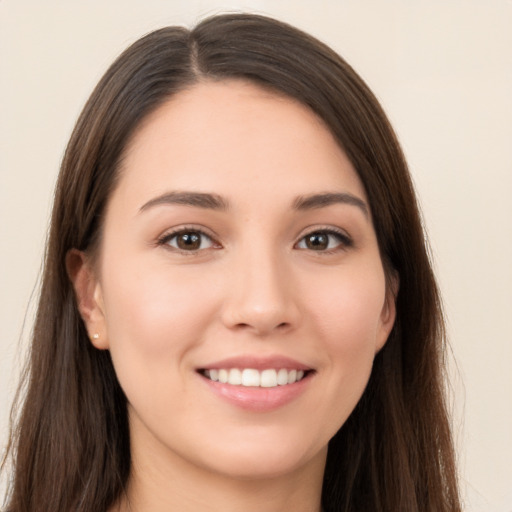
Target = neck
(161,481)
(214,495)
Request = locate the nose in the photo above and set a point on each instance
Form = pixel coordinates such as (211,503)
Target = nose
(261,298)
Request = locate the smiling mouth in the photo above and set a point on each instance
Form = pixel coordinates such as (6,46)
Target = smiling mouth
(250,377)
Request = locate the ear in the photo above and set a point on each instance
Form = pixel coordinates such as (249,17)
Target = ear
(388,314)
(89,296)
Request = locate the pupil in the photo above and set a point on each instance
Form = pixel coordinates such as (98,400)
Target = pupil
(189,241)
(317,241)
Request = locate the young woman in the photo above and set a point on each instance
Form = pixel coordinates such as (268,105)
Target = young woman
(237,309)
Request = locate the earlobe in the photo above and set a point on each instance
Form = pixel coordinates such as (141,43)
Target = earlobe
(89,296)
(388,315)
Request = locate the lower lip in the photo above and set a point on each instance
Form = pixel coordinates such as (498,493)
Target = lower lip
(259,399)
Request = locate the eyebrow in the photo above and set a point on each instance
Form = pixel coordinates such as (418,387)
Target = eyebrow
(196,199)
(217,202)
(329,198)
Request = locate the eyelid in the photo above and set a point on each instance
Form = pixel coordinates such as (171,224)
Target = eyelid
(163,240)
(345,239)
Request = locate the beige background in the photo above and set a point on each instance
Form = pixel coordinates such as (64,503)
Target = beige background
(443,71)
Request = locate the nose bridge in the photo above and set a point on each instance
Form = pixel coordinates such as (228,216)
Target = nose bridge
(260,295)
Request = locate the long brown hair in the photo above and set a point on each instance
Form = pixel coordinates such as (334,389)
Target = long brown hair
(70,445)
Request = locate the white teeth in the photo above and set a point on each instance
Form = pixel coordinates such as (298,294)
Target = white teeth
(250,377)
(235,377)
(223,376)
(282,377)
(269,378)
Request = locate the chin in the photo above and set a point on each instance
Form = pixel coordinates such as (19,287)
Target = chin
(257,461)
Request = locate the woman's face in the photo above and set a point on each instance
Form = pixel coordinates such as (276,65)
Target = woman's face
(239,246)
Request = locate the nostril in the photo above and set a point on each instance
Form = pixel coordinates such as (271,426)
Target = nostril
(262,329)
(260,316)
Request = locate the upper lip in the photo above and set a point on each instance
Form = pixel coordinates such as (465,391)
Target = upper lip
(257,363)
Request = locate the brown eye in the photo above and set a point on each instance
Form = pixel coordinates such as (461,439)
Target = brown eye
(189,241)
(317,241)
(324,241)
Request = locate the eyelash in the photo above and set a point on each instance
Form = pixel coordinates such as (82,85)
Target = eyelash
(167,237)
(344,241)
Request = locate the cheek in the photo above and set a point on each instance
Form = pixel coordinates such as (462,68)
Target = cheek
(348,308)
(347,314)
(154,324)
(153,316)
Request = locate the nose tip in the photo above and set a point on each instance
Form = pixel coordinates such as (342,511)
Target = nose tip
(258,321)
(261,300)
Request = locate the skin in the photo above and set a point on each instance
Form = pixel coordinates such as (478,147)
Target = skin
(254,288)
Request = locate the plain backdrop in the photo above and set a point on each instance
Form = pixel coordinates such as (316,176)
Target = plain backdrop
(443,72)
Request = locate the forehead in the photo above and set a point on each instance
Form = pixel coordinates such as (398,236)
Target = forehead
(228,136)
